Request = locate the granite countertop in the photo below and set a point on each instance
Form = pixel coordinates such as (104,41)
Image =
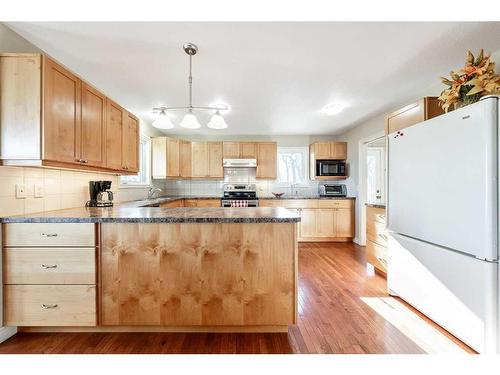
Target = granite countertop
(121,214)
(374,205)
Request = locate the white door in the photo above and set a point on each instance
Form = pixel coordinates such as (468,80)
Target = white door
(375,175)
(442,177)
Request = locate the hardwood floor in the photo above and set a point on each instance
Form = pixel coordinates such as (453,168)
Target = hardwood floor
(343,308)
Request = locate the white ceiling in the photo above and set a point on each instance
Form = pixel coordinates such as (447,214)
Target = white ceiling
(275,76)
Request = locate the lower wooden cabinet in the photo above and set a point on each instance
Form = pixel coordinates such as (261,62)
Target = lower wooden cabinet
(174,204)
(376,238)
(50,305)
(49,274)
(202,203)
(198,274)
(321,219)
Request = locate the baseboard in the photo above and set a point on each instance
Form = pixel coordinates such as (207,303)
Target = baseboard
(7,332)
(357,241)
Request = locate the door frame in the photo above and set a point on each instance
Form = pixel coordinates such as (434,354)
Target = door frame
(362,196)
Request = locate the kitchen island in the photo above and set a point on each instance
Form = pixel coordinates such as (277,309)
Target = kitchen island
(153,269)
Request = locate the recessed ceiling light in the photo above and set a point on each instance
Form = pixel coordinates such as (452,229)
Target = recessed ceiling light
(333,109)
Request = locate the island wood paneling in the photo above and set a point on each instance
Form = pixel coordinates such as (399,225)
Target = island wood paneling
(198,274)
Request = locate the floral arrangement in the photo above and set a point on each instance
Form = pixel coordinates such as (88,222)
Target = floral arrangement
(467,85)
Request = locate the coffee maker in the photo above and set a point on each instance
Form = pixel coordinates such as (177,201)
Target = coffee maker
(100,195)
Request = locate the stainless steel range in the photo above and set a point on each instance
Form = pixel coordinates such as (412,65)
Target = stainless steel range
(240,195)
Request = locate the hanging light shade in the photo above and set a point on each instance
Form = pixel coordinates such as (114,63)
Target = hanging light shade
(163,121)
(190,121)
(217,122)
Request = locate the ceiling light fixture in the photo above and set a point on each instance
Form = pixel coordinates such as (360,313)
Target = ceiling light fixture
(190,121)
(162,121)
(333,109)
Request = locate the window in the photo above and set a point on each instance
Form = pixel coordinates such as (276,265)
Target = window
(292,165)
(143,177)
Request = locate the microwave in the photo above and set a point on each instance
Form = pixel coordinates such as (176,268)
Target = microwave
(330,168)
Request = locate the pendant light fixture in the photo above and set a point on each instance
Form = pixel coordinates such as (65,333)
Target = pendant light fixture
(190,121)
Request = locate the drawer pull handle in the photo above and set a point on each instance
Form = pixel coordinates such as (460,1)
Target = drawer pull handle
(47,266)
(50,306)
(49,234)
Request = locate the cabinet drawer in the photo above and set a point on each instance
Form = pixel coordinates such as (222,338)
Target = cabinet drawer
(289,203)
(50,305)
(49,234)
(335,203)
(375,214)
(49,265)
(376,255)
(376,232)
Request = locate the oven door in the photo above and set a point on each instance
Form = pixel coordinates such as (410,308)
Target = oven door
(330,168)
(240,203)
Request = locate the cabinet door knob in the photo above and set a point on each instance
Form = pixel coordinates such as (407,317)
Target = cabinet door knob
(49,306)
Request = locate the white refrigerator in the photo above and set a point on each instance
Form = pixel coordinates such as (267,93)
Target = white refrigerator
(442,213)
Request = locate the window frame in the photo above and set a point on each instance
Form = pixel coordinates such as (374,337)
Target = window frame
(146,141)
(305,151)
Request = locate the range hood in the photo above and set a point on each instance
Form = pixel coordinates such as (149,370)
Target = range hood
(239,163)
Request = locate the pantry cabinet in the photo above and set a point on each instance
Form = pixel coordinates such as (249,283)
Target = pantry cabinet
(376,238)
(51,117)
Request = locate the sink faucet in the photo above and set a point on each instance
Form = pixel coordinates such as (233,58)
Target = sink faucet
(292,187)
(152,192)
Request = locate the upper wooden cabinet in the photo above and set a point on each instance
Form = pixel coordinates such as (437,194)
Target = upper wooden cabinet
(185,158)
(329,150)
(166,156)
(93,132)
(62,92)
(51,117)
(266,160)
(249,150)
(231,150)
(114,135)
(412,114)
(130,143)
(206,158)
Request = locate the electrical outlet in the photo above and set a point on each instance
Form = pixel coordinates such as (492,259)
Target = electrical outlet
(20,191)
(38,191)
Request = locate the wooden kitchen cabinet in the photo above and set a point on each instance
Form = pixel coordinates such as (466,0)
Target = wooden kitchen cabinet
(215,150)
(165,157)
(130,141)
(321,219)
(199,152)
(376,238)
(421,110)
(51,117)
(62,92)
(266,160)
(114,134)
(185,158)
(93,132)
(207,159)
(49,274)
(249,150)
(231,150)
(328,151)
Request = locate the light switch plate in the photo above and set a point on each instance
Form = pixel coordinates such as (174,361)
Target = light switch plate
(38,191)
(20,191)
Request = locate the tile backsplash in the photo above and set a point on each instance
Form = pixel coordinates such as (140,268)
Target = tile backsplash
(61,189)
(214,188)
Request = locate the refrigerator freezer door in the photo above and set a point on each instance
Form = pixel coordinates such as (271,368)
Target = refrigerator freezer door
(442,176)
(457,291)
